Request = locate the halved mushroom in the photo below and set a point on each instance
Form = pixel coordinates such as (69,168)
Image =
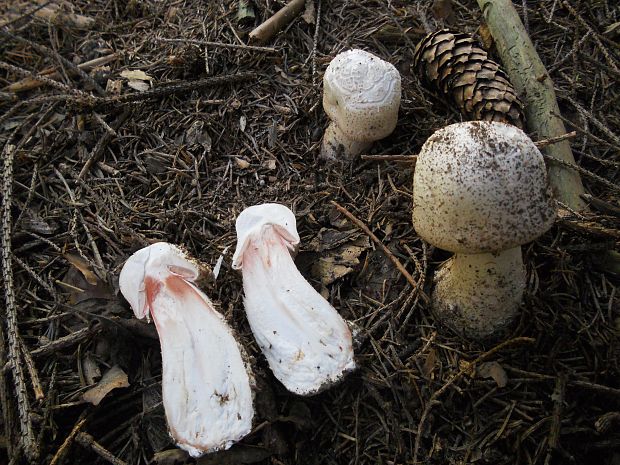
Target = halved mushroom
(206,383)
(306,342)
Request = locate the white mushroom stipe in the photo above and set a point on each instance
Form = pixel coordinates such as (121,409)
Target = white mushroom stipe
(480,190)
(361,96)
(306,342)
(207,386)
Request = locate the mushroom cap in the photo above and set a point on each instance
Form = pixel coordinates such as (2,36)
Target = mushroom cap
(361,95)
(481,187)
(251,220)
(160,258)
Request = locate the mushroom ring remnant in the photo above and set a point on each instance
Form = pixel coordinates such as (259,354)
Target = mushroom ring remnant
(480,189)
(306,342)
(361,96)
(207,386)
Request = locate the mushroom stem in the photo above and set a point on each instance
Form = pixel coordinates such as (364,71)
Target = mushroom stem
(206,383)
(306,342)
(336,144)
(479,294)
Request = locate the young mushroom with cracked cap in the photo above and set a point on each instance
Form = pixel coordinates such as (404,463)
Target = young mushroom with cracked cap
(306,342)
(361,96)
(207,385)
(480,190)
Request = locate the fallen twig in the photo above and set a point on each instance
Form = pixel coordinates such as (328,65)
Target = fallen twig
(407,158)
(103,142)
(388,253)
(62,61)
(554,140)
(222,45)
(30,83)
(277,22)
(88,441)
(28,441)
(554,431)
(95,103)
(533,84)
(64,447)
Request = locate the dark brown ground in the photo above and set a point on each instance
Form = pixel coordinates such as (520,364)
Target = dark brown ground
(181,167)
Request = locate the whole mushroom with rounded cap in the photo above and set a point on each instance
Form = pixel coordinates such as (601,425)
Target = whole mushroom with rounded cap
(361,96)
(480,190)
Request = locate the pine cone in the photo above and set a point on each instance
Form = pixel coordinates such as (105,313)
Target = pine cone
(455,65)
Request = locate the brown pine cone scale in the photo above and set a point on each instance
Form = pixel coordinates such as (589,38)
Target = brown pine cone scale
(455,65)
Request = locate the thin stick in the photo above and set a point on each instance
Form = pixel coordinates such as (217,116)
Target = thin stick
(27,13)
(600,45)
(32,371)
(89,442)
(28,443)
(376,240)
(103,142)
(466,369)
(43,79)
(52,53)
(255,48)
(277,22)
(62,450)
(50,73)
(315,39)
(554,431)
(407,158)
(183,87)
(554,140)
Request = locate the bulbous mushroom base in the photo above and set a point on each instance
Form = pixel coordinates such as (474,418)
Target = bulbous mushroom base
(478,295)
(337,146)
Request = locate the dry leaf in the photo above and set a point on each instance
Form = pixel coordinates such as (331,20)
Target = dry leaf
(197,135)
(429,364)
(113,87)
(83,266)
(328,271)
(466,367)
(112,379)
(612,29)
(91,370)
(135,75)
(310,13)
(493,370)
(241,163)
(442,10)
(140,86)
(485,36)
(270,164)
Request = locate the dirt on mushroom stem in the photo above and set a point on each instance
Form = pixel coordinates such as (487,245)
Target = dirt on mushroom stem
(157,182)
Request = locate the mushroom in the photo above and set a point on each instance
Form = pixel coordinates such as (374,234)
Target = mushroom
(306,342)
(207,384)
(480,190)
(361,96)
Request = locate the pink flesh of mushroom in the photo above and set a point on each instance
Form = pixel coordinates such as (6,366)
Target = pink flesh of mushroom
(206,385)
(306,342)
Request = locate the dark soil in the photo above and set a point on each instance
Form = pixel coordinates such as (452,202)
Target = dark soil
(95,180)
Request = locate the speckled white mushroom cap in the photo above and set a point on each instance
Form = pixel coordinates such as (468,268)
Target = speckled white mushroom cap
(254,218)
(481,187)
(361,95)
